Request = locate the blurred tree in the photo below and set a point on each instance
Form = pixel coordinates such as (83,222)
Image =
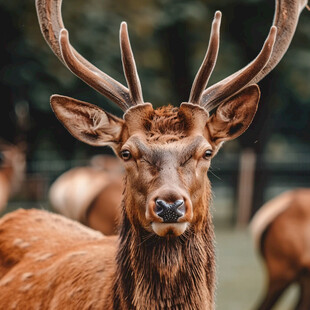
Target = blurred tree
(169,39)
(8,128)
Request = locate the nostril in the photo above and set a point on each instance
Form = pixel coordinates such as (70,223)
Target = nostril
(177,204)
(169,212)
(161,206)
(179,207)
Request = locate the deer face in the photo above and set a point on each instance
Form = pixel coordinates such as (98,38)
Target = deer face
(166,171)
(167,182)
(166,153)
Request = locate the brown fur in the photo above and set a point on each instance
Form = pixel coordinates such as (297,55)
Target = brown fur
(160,261)
(12,171)
(104,213)
(47,267)
(154,265)
(285,248)
(35,274)
(92,194)
(165,123)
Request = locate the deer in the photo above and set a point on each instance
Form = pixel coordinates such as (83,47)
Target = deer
(12,170)
(91,195)
(280,230)
(163,257)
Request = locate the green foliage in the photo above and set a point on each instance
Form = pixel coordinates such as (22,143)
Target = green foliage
(169,39)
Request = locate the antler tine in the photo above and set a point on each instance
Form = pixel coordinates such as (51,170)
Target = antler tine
(88,76)
(215,94)
(208,64)
(129,67)
(285,20)
(51,24)
(50,21)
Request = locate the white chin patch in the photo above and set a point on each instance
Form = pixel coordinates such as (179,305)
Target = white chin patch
(166,229)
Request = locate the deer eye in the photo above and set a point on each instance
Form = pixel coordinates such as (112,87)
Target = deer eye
(207,154)
(125,154)
(186,160)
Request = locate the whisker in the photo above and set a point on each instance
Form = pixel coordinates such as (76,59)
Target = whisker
(211,171)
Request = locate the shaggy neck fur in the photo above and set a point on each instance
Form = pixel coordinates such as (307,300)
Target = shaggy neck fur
(165,273)
(159,273)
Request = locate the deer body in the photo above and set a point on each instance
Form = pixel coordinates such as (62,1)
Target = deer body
(92,194)
(164,256)
(36,274)
(147,271)
(282,236)
(84,274)
(12,171)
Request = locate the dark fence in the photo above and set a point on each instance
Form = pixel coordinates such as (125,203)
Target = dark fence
(280,174)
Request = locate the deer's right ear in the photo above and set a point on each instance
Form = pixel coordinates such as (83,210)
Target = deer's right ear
(87,122)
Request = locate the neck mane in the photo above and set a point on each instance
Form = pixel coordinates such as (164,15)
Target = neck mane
(160,273)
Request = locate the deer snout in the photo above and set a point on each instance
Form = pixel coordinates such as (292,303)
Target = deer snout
(170,212)
(169,205)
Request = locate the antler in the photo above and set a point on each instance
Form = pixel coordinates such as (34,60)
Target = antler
(217,93)
(208,64)
(285,21)
(280,36)
(57,37)
(129,66)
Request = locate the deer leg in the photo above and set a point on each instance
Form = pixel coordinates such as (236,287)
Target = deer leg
(276,286)
(304,297)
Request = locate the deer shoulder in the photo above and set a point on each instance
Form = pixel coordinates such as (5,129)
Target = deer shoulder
(53,258)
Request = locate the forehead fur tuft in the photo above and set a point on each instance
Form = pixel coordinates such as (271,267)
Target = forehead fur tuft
(165,124)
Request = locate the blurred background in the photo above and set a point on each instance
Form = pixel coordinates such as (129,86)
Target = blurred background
(169,39)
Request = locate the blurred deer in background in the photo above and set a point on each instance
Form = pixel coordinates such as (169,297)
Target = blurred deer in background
(164,256)
(12,171)
(281,231)
(91,195)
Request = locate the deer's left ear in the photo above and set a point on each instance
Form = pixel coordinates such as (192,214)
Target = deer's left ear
(234,116)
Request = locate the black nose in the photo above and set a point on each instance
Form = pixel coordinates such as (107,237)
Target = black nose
(170,212)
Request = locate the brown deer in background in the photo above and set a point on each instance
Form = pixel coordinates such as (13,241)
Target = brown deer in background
(281,231)
(163,257)
(12,171)
(92,194)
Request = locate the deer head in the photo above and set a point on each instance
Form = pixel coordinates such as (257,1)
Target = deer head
(166,151)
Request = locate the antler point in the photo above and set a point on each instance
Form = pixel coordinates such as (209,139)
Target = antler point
(218,14)
(63,31)
(273,32)
(123,24)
